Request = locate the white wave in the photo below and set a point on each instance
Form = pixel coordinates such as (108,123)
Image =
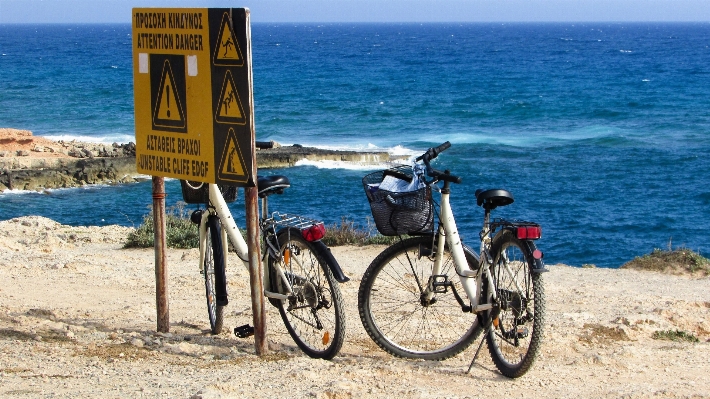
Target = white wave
(102,139)
(20,192)
(525,139)
(397,150)
(347,165)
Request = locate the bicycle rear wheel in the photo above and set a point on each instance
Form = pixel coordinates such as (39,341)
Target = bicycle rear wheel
(396,316)
(213,256)
(515,338)
(313,313)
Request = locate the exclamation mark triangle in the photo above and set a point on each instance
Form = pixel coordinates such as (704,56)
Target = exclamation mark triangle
(226,50)
(168,110)
(229,108)
(231,167)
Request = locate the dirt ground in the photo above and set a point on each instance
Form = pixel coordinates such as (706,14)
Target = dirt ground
(78,319)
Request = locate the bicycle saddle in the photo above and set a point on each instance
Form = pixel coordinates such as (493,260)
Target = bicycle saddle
(493,198)
(268,185)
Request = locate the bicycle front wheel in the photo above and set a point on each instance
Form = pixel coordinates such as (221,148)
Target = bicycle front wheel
(213,255)
(397,315)
(516,334)
(313,313)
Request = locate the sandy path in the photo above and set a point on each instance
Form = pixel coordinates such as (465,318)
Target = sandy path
(77,319)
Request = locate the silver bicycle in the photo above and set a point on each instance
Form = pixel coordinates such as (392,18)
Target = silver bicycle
(429,296)
(300,274)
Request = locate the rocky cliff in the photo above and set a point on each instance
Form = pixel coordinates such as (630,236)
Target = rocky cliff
(29,162)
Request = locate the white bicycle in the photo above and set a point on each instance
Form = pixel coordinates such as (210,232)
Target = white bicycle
(430,296)
(300,274)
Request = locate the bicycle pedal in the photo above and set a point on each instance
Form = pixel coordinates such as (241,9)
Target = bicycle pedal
(439,283)
(244,331)
(522,332)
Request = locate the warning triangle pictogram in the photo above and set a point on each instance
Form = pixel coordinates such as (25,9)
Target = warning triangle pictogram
(229,107)
(232,167)
(168,108)
(226,50)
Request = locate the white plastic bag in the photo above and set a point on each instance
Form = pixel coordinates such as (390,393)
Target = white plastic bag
(396,185)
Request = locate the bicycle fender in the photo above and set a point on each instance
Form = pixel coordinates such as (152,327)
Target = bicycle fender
(538,266)
(329,259)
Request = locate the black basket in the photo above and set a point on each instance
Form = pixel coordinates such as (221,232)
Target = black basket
(410,212)
(200,195)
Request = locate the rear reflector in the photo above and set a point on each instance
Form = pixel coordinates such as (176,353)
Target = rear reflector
(314,233)
(529,232)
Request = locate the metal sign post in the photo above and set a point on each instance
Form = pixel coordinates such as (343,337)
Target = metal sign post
(194,112)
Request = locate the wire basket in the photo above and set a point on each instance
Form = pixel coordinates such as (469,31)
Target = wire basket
(195,192)
(397,213)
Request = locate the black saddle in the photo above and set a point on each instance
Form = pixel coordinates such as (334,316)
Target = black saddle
(493,198)
(268,185)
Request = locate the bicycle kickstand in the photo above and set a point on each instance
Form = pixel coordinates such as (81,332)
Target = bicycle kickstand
(493,315)
(483,339)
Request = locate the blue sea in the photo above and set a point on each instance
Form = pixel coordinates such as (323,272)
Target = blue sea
(601,131)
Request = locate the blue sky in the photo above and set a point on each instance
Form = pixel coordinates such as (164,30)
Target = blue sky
(88,11)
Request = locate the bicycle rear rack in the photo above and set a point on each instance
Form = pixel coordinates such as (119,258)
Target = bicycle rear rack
(287,220)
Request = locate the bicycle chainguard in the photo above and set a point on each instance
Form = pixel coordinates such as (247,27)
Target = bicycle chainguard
(244,331)
(439,283)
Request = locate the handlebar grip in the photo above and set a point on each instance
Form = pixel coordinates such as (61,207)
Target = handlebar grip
(443,147)
(451,178)
(434,152)
(445,176)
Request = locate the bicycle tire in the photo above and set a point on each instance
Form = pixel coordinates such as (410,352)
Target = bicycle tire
(314,313)
(513,347)
(393,314)
(213,257)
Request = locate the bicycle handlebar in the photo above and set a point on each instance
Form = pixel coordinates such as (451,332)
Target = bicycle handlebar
(432,153)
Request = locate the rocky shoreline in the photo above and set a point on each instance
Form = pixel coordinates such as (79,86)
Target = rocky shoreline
(30,162)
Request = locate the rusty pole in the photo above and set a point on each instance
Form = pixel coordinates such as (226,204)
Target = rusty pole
(251,200)
(161,270)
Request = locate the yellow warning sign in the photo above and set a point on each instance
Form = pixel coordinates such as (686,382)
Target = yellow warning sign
(193,94)
(232,167)
(229,109)
(227,51)
(168,111)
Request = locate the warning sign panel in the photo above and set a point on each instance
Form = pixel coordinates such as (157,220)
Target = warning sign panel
(168,96)
(227,51)
(193,94)
(232,166)
(229,109)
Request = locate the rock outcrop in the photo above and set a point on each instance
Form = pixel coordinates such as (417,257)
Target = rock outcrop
(29,162)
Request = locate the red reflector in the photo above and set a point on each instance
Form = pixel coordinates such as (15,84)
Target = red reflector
(529,232)
(314,233)
(537,254)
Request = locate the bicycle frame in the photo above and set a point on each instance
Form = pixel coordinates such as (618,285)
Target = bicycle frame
(471,280)
(231,231)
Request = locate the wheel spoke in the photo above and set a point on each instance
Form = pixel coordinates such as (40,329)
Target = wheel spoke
(396,316)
